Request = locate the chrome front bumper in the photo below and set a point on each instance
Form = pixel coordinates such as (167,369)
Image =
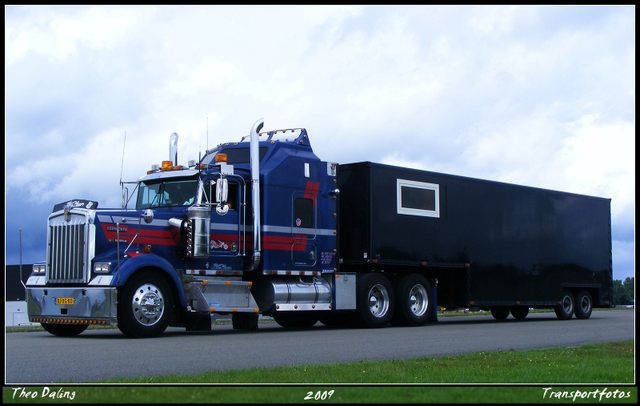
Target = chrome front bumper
(83,305)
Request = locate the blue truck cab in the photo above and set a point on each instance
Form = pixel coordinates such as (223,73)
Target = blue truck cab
(210,238)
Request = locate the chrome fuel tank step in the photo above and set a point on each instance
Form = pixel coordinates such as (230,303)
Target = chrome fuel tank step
(220,295)
(292,293)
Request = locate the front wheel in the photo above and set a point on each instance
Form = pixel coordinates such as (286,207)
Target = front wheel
(145,306)
(374,300)
(565,309)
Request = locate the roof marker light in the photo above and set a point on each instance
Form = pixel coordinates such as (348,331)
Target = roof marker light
(167,165)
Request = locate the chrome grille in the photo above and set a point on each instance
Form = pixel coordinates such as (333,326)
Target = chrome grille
(67,251)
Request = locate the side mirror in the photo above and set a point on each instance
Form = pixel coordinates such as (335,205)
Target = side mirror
(222,194)
(147,216)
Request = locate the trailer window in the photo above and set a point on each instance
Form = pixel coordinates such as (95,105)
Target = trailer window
(418,198)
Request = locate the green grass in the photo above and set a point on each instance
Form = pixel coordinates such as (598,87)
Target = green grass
(611,362)
(454,379)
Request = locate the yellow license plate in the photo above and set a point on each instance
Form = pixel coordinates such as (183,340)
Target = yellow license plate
(64,300)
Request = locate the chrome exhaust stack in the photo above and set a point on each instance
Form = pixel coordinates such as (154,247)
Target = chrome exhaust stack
(173,149)
(255,192)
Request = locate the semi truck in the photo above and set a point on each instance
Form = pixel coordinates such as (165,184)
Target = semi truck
(262,226)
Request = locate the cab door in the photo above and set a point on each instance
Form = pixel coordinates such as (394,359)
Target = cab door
(227,230)
(304,226)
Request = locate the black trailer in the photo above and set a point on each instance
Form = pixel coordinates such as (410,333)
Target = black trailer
(486,244)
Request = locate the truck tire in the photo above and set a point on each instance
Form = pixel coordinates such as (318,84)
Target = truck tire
(414,304)
(520,312)
(565,309)
(63,330)
(500,313)
(374,300)
(145,306)
(584,305)
(295,319)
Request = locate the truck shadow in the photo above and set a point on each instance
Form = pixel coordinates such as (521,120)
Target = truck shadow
(274,328)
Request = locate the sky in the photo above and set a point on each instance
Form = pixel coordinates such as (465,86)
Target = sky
(538,96)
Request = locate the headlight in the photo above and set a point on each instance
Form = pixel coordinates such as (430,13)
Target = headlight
(102,267)
(38,269)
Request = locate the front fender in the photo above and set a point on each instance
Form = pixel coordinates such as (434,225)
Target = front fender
(131,265)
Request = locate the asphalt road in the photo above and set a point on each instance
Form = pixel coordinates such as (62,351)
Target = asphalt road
(99,355)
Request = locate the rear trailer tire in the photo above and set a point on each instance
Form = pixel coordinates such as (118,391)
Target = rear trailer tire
(374,300)
(520,312)
(584,305)
(565,309)
(414,303)
(145,306)
(500,313)
(63,330)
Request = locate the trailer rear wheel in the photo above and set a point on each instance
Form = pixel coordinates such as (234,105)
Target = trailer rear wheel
(374,300)
(520,312)
(500,313)
(584,305)
(64,330)
(145,306)
(565,309)
(413,301)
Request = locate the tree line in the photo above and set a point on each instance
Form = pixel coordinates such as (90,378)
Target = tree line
(623,291)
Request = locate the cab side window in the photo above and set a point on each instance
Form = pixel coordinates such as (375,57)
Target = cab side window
(232,198)
(303,212)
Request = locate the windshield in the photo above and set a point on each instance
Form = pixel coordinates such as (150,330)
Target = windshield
(167,193)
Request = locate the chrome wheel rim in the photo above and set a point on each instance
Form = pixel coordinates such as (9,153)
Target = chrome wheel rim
(585,304)
(378,300)
(418,300)
(567,304)
(148,304)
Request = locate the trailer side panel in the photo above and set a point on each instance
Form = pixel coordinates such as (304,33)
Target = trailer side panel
(498,243)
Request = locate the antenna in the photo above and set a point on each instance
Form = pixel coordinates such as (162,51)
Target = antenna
(122,164)
(207,133)
(124,190)
(21,281)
